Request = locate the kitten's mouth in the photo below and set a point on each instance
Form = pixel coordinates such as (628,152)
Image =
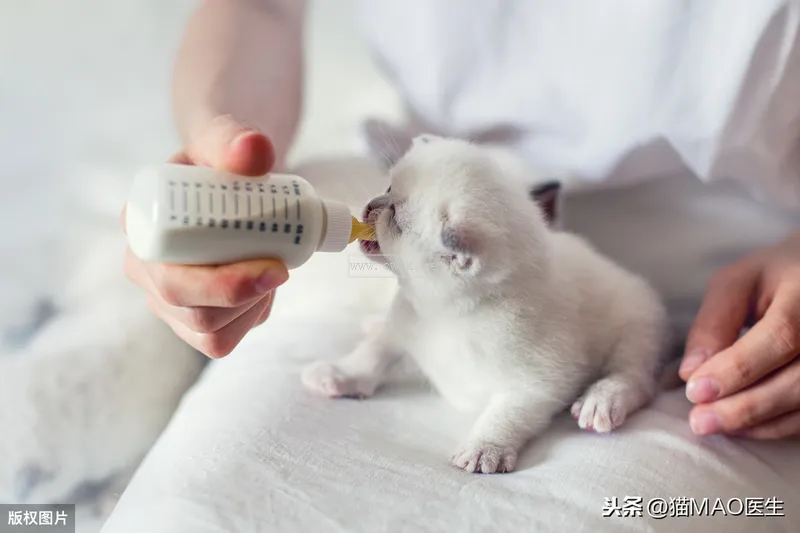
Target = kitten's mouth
(370,247)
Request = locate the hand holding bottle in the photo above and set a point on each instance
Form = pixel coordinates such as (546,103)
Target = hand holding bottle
(213,307)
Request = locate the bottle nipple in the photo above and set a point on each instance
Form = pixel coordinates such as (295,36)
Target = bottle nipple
(361,230)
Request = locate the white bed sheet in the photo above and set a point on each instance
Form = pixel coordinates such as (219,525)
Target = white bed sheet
(251,451)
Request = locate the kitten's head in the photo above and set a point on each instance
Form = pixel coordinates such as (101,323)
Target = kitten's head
(458,211)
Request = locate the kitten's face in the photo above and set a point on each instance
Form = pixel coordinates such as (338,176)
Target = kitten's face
(452,209)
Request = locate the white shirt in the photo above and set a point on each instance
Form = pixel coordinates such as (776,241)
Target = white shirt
(613,91)
(651,94)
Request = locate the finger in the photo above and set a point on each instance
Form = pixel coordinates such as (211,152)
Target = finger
(220,343)
(722,314)
(230,145)
(267,310)
(230,285)
(199,319)
(227,286)
(181,158)
(772,397)
(122,220)
(770,344)
(787,425)
(136,272)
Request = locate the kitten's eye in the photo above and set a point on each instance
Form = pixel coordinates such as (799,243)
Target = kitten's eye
(393,219)
(389,189)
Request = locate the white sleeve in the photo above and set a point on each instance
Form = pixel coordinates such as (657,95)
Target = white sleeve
(737,115)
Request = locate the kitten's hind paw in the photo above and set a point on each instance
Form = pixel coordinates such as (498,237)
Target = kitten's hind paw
(329,380)
(485,458)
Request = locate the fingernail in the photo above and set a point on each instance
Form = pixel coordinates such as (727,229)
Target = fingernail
(701,390)
(270,280)
(242,135)
(705,423)
(692,360)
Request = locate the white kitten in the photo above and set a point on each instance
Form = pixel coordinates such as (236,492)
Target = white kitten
(507,317)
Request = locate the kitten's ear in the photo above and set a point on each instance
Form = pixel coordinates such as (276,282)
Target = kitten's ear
(462,244)
(425,138)
(497,136)
(548,196)
(385,142)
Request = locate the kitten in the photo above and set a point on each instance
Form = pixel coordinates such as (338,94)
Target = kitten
(506,316)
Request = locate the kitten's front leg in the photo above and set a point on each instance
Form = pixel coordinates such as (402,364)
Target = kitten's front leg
(509,421)
(359,373)
(356,375)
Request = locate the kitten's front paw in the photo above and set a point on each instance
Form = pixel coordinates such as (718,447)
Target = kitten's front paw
(327,379)
(598,411)
(485,458)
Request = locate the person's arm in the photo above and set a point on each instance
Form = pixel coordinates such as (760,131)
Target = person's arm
(241,59)
(237,99)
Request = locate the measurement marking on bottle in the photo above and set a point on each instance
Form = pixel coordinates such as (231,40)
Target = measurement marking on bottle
(185,198)
(197,200)
(261,202)
(273,207)
(235,204)
(298,209)
(211,202)
(249,211)
(286,209)
(224,203)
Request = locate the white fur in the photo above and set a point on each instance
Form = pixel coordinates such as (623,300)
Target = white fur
(89,390)
(507,317)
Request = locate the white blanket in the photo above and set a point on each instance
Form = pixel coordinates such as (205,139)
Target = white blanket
(251,450)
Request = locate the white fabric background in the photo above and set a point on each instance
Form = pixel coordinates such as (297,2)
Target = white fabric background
(612,92)
(251,450)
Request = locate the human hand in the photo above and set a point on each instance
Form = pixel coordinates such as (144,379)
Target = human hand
(213,307)
(748,386)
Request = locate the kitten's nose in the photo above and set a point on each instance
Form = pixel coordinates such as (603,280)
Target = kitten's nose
(374,204)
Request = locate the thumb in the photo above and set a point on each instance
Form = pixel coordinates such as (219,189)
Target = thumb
(230,145)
